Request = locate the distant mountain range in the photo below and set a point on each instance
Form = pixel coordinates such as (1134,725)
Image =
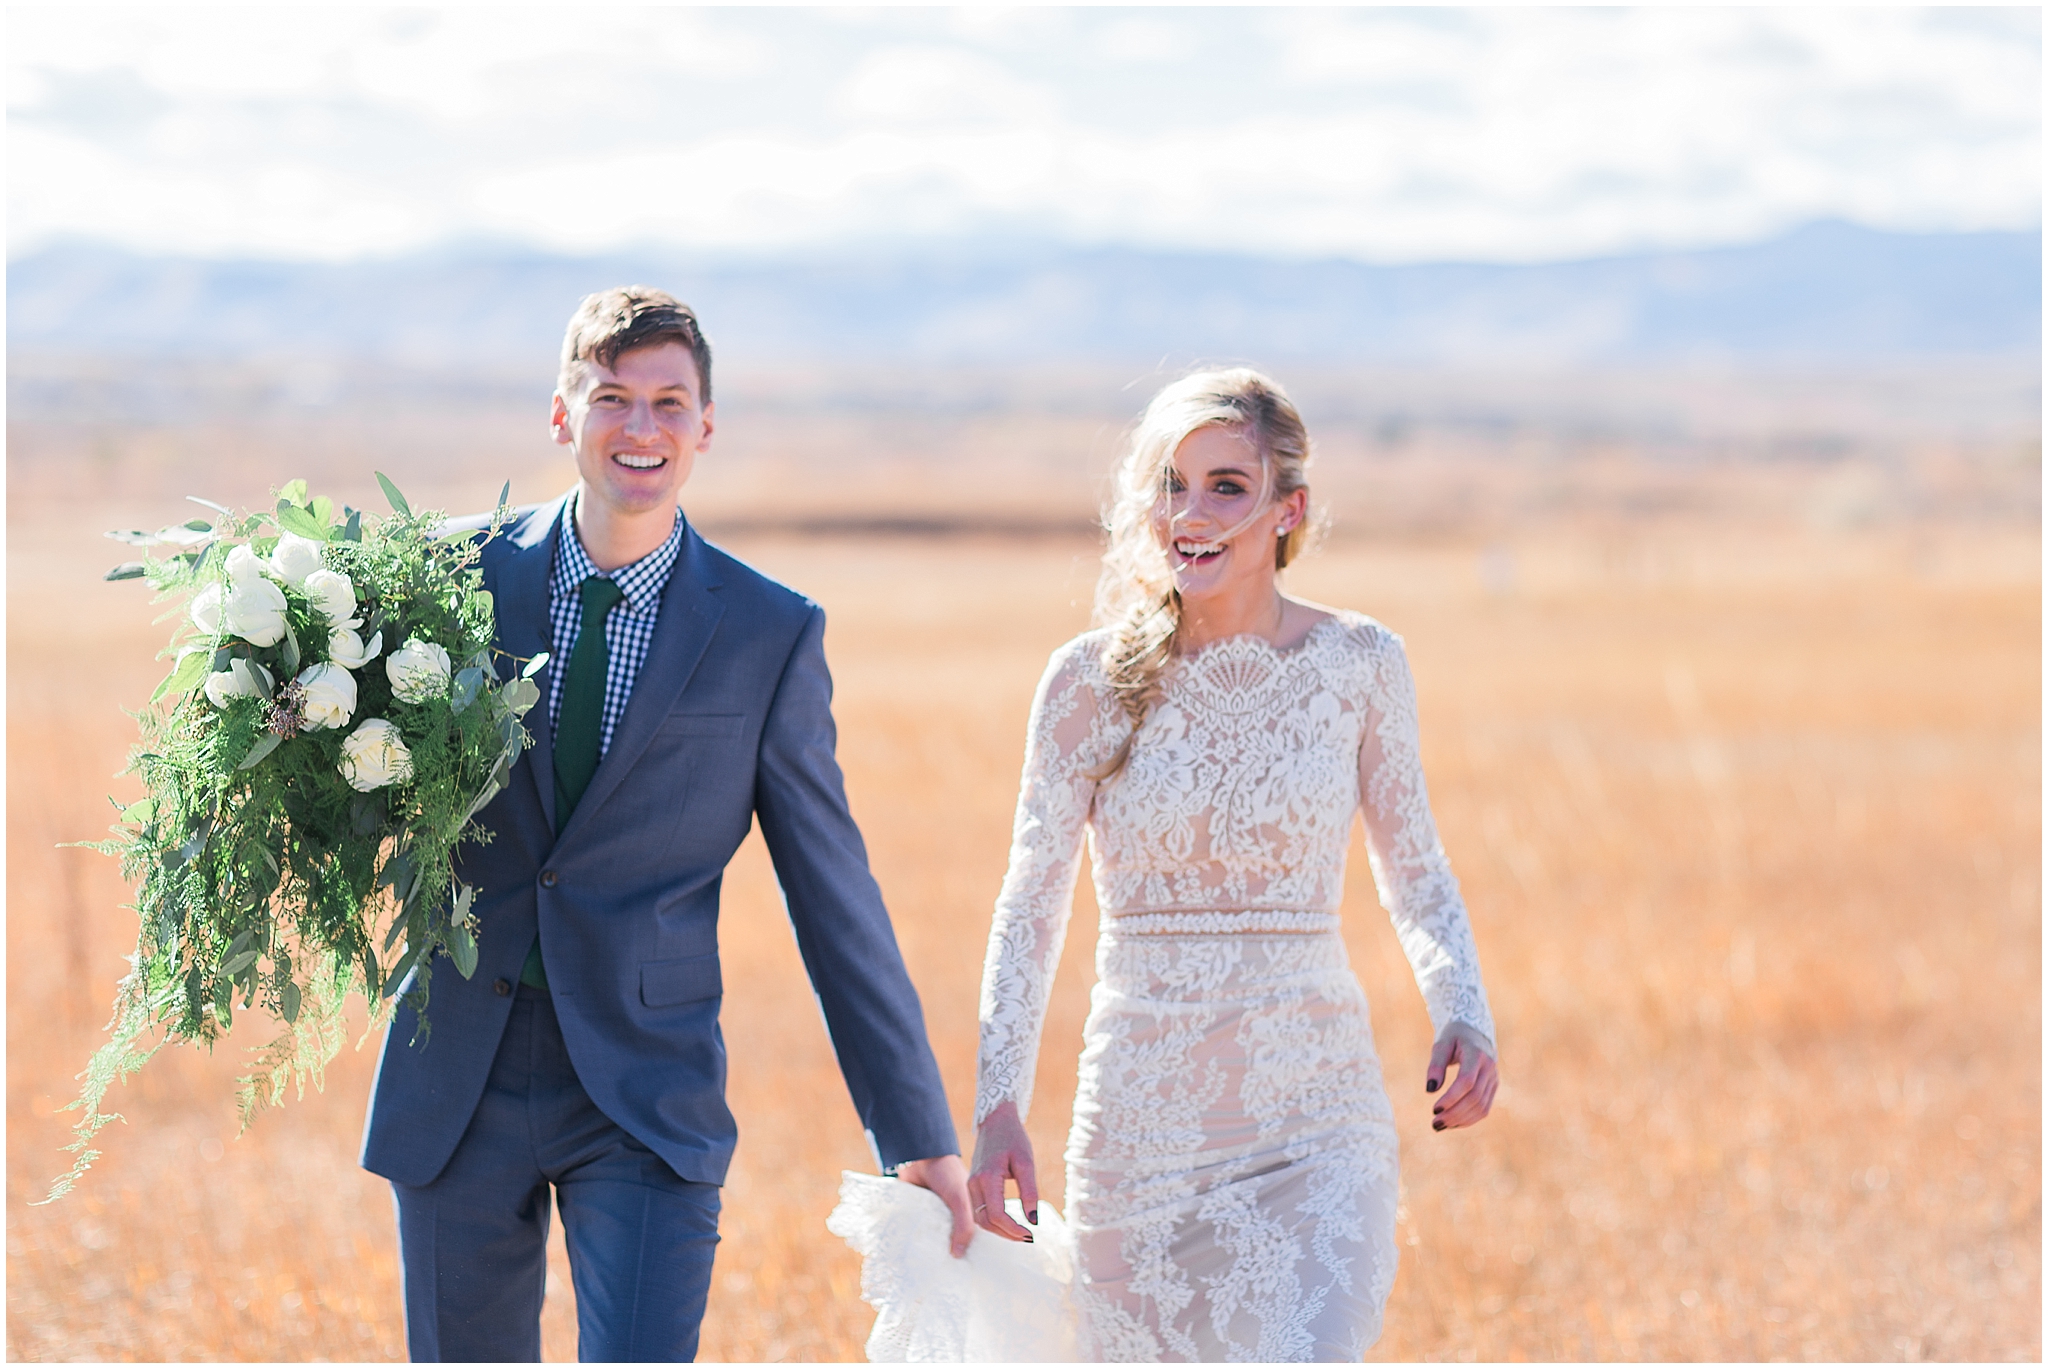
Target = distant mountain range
(1829,293)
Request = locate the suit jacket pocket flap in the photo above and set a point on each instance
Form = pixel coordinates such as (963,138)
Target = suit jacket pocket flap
(665,983)
(702,724)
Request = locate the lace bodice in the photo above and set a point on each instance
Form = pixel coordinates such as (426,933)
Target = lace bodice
(1231,816)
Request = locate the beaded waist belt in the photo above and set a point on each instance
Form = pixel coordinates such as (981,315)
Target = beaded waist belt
(1247,921)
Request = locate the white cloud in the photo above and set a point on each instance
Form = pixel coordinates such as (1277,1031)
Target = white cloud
(1387,134)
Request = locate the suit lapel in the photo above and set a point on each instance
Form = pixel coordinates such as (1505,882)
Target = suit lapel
(524,631)
(682,630)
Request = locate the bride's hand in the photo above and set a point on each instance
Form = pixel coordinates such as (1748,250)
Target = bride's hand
(1470,1098)
(1003,1152)
(947,1177)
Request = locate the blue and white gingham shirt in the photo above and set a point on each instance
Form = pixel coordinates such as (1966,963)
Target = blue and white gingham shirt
(628,628)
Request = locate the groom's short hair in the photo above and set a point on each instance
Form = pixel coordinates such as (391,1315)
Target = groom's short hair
(623,319)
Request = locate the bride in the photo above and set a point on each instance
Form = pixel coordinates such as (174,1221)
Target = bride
(1231,1170)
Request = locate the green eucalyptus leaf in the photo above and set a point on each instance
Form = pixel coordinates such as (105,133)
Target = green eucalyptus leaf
(391,493)
(395,870)
(127,570)
(240,961)
(352,531)
(462,950)
(534,666)
(186,676)
(483,798)
(140,811)
(366,814)
(288,1001)
(288,652)
(292,518)
(323,511)
(265,744)
(467,684)
(293,493)
(400,970)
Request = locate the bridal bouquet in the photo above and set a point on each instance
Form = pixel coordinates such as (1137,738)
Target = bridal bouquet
(330,728)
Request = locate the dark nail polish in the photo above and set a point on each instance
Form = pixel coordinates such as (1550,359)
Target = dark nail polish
(1030,1239)
(1431,1086)
(1032,1216)
(1436,1111)
(1436,1126)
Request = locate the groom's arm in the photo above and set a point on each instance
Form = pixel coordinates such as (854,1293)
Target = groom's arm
(842,927)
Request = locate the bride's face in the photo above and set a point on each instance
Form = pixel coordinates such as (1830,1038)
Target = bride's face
(1216,516)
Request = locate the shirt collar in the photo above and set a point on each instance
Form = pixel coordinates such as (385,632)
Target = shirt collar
(641,582)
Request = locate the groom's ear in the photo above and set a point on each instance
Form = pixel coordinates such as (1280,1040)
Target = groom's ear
(558,420)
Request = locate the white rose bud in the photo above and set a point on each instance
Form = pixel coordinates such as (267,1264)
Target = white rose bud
(206,608)
(374,755)
(244,565)
(345,648)
(295,558)
(419,671)
(332,594)
(253,610)
(330,696)
(241,680)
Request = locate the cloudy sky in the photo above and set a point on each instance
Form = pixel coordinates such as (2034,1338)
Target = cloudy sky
(1381,134)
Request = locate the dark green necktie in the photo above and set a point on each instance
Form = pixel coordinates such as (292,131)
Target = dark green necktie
(580,726)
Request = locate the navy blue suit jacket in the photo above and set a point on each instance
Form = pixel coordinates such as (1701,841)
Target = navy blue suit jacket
(730,720)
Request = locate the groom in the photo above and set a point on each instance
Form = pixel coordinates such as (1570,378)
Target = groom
(685,697)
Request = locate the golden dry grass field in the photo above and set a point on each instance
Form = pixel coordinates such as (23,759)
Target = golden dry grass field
(1744,795)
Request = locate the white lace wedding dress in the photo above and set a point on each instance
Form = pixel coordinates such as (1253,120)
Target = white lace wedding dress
(1231,1172)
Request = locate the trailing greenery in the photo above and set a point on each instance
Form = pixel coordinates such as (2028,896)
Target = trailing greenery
(330,727)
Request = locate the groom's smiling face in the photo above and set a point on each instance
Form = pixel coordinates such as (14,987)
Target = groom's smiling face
(636,427)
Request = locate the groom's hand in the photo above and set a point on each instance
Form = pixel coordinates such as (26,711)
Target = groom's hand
(947,1177)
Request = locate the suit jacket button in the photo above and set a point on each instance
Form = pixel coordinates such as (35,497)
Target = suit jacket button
(503,986)
(547,879)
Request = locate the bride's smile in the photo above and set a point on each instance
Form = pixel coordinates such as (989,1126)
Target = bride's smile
(1219,520)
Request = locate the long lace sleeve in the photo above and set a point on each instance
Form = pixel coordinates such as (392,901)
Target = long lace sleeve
(1414,875)
(1071,733)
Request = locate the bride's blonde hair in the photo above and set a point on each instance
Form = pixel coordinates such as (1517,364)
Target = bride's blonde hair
(1135,594)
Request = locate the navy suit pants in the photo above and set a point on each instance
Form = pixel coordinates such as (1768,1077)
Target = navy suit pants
(473,1243)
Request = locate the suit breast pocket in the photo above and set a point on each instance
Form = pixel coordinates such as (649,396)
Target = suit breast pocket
(668,983)
(706,725)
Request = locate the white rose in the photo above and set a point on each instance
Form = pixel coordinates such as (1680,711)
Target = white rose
(332,594)
(253,610)
(241,680)
(295,558)
(244,565)
(330,696)
(206,609)
(345,648)
(419,671)
(374,755)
